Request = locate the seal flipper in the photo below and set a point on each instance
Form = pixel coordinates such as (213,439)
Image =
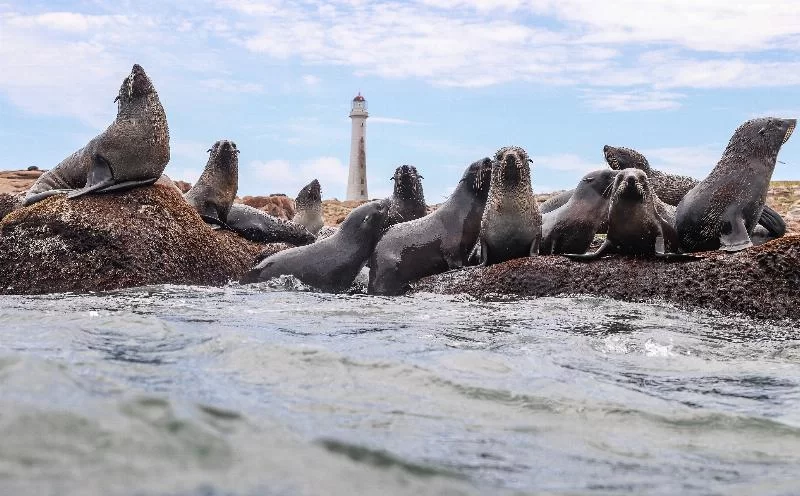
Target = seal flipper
(772,222)
(582,257)
(669,235)
(101,180)
(737,239)
(30,200)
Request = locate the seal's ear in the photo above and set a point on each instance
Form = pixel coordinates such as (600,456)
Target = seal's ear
(421,177)
(116,99)
(391,178)
(208,151)
(530,160)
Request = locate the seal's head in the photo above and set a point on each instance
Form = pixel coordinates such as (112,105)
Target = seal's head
(619,157)
(597,183)
(137,85)
(407,182)
(367,221)
(631,185)
(478,177)
(762,136)
(310,194)
(512,165)
(224,154)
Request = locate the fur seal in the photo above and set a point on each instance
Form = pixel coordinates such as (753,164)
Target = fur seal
(333,263)
(555,202)
(213,194)
(722,210)
(634,223)
(133,151)
(512,224)
(435,243)
(308,206)
(407,200)
(257,225)
(571,228)
(671,188)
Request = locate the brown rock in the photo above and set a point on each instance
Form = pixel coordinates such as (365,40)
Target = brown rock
(761,282)
(183,186)
(280,206)
(102,242)
(18,181)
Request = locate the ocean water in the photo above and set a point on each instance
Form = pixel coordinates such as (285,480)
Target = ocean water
(173,390)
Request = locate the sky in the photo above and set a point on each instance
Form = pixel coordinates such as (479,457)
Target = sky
(447,82)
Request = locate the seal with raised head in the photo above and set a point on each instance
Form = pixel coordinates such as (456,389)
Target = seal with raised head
(407,200)
(572,227)
(671,188)
(308,207)
(261,227)
(213,194)
(333,263)
(723,209)
(512,224)
(634,224)
(133,151)
(435,243)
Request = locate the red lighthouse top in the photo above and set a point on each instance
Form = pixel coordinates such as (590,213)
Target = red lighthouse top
(358,98)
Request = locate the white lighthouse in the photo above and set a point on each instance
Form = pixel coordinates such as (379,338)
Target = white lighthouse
(357,178)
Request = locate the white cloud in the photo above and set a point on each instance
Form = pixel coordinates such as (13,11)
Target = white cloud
(232,86)
(693,161)
(630,101)
(283,176)
(566,162)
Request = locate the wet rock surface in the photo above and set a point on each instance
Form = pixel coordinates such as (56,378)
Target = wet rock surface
(761,282)
(139,237)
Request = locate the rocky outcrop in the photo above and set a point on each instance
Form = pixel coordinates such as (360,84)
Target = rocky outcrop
(12,182)
(101,242)
(183,186)
(762,282)
(280,206)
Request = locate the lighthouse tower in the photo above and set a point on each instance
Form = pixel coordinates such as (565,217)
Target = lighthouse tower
(357,178)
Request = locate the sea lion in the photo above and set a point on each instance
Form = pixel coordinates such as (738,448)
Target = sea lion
(212,195)
(572,227)
(308,206)
(723,209)
(133,151)
(634,224)
(671,188)
(512,224)
(435,243)
(333,263)
(407,200)
(555,202)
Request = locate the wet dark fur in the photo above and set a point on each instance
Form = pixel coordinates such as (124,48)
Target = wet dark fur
(213,194)
(671,188)
(722,211)
(408,199)
(135,147)
(435,243)
(634,223)
(308,207)
(332,263)
(257,225)
(511,226)
(572,227)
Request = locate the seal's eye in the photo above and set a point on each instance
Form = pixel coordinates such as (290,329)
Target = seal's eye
(366,218)
(762,131)
(589,179)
